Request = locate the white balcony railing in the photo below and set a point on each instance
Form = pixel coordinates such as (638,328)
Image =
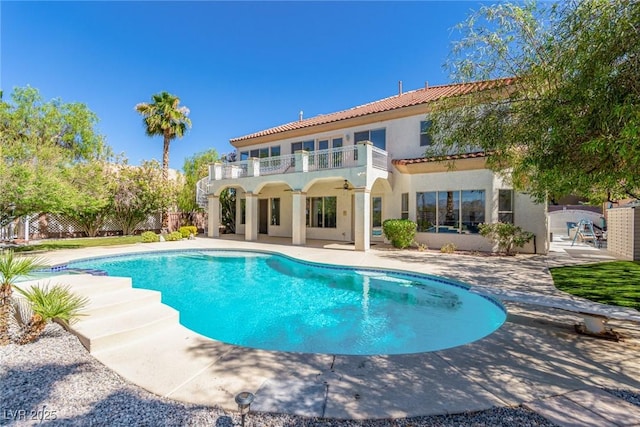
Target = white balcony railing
(277,165)
(333,158)
(303,161)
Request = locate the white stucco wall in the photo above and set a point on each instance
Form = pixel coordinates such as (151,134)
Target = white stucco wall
(402,137)
(527,214)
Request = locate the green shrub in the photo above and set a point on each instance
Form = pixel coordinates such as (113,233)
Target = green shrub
(149,237)
(400,232)
(188,230)
(507,236)
(449,248)
(173,236)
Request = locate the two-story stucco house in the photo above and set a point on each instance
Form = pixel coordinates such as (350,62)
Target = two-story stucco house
(338,176)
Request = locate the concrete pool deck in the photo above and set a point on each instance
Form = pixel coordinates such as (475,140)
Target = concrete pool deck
(535,356)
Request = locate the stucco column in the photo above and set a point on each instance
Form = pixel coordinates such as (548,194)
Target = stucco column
(298,218)
(362,218)
(302,161)
(213,219)
(365,153)
(251,218)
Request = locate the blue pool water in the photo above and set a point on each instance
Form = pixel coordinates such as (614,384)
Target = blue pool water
(273,302)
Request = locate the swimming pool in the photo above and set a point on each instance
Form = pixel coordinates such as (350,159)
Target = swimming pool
(273,302)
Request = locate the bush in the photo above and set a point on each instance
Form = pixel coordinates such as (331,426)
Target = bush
(507,236)
(188,230)
(449,248)
(400,232)
(173,236)
(149,237)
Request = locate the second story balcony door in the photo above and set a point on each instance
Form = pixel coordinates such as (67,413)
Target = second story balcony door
(330,160)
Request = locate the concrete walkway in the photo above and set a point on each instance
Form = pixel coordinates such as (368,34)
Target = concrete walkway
(534,357)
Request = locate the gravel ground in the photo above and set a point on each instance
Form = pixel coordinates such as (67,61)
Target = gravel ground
(54,381)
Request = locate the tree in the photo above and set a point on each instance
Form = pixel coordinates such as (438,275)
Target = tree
(195,168)
(12,267)
(92,187)
(568,120)
(164,117)
(38,141)
(139,192)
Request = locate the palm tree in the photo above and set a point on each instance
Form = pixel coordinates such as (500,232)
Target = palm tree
(46,304)
(10,268)
(164,117)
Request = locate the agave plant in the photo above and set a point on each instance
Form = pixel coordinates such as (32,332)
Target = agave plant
(48,303)
(11,267)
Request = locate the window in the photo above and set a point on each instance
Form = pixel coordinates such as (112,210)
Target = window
(243,211)
(376,212)
(321,212)
(425,138)
(303,145)
(505,206)
(471,210)
(450,211)
(426,211)
(377,136)
(404,206)
(275,211)
(261,153)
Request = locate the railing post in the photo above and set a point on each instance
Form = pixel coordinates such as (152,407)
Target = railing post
(235,171)
(253,167)
(302,161)
(215,171)
(365,156)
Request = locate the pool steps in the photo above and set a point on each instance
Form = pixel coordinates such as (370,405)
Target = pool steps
(117,313)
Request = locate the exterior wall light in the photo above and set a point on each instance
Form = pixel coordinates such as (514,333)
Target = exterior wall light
(244,400)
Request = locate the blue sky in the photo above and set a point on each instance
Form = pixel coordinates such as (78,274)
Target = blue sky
(240,67)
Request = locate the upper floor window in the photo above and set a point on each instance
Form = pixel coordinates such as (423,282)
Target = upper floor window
(425,138)
(303,145)
(260,152)
(377,136)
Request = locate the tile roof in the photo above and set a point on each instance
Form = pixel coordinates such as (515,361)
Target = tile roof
(407,99)
(476,155)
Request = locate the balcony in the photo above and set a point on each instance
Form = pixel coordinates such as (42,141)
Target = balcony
(364,154)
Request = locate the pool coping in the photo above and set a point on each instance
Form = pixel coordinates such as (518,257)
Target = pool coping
(506,369)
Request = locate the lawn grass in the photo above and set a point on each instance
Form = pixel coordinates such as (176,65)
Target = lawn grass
(53,244)
(614,283)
